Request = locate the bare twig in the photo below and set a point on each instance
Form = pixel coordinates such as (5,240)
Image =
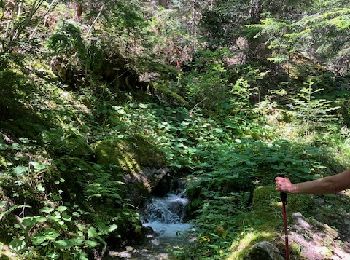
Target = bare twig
(22,214)
(195,106)
(96,19)
(18,28)
(52,6)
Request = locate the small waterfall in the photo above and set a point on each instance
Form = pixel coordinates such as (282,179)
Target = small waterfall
(165,215)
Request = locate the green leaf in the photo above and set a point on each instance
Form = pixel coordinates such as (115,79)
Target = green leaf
(66,217)
(3,147)
(92,232)
(18,244)
(112,227)
(91,243)
(3,204)
(47,210)
(76,214)
(63,244)
(120,110)
(31,221)
(38,166)
(15,146)
(62,208)
(40,187)
(20,170)
(46,235)
(76,241)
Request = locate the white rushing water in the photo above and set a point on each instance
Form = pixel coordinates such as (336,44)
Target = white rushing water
(165,215)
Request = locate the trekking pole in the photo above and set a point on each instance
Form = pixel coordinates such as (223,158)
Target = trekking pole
(284,214)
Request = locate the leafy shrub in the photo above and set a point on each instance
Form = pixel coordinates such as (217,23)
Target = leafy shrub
(313,113)
(58,233)
(68,41)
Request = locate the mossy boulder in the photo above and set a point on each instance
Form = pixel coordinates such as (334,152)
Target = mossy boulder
(67,143)
(260,224)
(140,160)
(264,250)
(131,154)
(266,205)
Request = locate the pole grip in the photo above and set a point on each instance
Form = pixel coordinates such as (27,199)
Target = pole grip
(283,194)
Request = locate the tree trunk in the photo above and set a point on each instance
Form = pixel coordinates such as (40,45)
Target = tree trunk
(78,6)
(255,11)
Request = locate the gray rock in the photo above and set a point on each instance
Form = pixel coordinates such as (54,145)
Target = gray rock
(300,221)
(264,251)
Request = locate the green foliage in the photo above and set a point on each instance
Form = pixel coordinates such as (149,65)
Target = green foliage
(208,79)
(18,24)
(320,39)
(313,113)
(221,192)
(226,20)
(134,151)
(123,15)
(58,233)
(66,157)
(215,87)
(68,40)
(66,142)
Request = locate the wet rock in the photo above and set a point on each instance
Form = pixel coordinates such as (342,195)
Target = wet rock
(177,207)
(129,248)
(264,251)
(148,231)
(155,242)
(131,154)
(123,255)
(168,210)
(142,185)
(163,185)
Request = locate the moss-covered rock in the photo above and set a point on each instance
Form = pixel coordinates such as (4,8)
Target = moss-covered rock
(131,154)
(67,143)
(142,163)
(264,250)
(261,223)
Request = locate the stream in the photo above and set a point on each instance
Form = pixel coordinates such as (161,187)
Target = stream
(164,217)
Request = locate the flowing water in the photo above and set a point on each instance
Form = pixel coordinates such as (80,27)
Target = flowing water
(165,217)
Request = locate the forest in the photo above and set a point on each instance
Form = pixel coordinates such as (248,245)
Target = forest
(114,113)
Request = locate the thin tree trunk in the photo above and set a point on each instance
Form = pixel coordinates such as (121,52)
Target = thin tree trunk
(255,11)
(78,6)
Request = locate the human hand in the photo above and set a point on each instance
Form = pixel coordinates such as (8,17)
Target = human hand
(284,185)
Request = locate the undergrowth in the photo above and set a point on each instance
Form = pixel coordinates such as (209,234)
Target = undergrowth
(89,106)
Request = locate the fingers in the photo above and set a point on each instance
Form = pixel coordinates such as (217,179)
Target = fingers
(278,187)
(279,181)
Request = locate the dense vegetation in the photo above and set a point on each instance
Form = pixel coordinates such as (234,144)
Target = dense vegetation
(96,95)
